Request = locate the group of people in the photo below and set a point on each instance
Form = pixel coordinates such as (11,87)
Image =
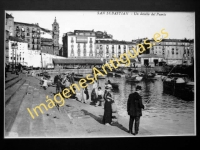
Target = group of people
(134,107)
(105,99)
(18,68)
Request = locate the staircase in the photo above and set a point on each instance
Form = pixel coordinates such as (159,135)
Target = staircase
(15,90)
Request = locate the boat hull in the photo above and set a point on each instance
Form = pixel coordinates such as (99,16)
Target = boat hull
(135,79)
(181,90)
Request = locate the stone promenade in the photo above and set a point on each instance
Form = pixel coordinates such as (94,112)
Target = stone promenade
(76,119)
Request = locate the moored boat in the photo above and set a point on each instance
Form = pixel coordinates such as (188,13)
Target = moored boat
(119,73)
(77,78)
(177,84)
(150,76)
(136,78)
(134,75)
(115,85)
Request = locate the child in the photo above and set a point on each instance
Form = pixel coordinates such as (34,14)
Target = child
(45,83)
(100,99)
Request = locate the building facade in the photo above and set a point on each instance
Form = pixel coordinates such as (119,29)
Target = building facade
(36,36)
(47,46)
(112,49)
(81,43)
(19,55)
(175,51)
(29,33)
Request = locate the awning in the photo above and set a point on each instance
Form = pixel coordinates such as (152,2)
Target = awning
(78,61)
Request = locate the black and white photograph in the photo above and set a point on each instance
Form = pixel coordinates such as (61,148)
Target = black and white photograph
(99,74)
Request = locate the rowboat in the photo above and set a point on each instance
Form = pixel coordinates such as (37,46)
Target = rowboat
(134,77)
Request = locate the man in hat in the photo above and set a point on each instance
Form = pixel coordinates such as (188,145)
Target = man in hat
(134,109)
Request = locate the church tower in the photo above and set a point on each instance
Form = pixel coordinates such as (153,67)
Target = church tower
(55,37)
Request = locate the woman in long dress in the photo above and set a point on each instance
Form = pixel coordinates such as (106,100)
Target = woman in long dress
(94,92)
(85,95)
(107,117)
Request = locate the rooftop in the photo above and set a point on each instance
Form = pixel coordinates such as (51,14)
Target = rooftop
(175,40)
(83,31)
(78,61)
(45,30)
(150,56)
(12,38)
(113,42)
(9,15)
(27,24)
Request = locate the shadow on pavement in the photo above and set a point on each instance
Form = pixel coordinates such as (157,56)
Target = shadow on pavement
(99,119)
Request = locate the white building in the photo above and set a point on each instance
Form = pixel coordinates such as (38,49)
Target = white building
(19,55)
(81,43)
(28,57)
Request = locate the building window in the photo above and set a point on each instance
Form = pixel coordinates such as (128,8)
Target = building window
(72,40)
(172,51)
(90,40)
(113,49)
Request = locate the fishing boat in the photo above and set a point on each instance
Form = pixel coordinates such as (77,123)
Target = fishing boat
(101,77)
(119,73)
(150,76)
(178,85)
(134,75)
(77,78)
(115,85)
(78,75)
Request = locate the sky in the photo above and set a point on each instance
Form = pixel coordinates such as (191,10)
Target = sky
(123,25)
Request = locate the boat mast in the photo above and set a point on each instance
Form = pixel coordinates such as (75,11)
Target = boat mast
(172,69)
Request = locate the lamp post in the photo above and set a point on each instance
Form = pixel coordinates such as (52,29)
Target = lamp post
(41,59)
(14,48)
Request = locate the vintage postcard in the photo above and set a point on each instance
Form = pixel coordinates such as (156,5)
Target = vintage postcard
(83,74)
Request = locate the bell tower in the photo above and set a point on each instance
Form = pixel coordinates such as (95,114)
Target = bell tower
(55,37)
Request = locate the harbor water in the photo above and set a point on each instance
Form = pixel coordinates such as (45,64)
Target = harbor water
(160,105)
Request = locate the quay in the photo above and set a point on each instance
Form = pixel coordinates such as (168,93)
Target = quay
(74,119)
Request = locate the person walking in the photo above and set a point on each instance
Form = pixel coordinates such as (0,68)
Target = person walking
(85,95)
(134,109)
(107,117)
(94,92)
(58,85)
(63,80)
